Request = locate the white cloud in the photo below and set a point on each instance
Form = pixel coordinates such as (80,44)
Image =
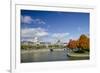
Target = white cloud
(26,19)
(38,21)
(63,37)
(60,35)
(33,32)
(29,34)
(29,20)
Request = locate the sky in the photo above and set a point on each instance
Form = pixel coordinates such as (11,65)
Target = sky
(50,26)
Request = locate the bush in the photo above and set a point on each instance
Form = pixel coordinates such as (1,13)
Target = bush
(86,50)
(79,51)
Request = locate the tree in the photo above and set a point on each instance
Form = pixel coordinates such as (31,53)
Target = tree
(72,44)
(81,44)
(84,42)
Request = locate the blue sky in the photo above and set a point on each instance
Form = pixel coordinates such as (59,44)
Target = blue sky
(52,26)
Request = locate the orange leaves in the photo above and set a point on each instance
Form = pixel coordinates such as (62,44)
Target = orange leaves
(72,44)
(82,42)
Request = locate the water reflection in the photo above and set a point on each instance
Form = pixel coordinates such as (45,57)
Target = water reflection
(42,56)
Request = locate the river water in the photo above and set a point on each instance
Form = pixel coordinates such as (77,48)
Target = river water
(44,56)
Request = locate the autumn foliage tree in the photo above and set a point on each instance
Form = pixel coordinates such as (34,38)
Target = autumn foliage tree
(81,44)
(72,44)
(84,42)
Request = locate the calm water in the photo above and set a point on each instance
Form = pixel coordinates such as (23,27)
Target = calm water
(47,56)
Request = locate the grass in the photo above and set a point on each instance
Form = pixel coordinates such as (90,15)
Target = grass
(73,54)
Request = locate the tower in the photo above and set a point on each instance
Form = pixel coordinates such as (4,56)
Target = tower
(36,41)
